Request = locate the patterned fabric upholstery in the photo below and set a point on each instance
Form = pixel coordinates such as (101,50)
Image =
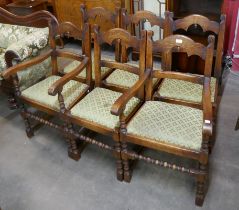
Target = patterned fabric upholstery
(13,33)
(183,90)
(25,42)
(33,74)
(123,78)
(39,92)
(170,123)
(2,60)
(82,75)
(31,44)
(96,106)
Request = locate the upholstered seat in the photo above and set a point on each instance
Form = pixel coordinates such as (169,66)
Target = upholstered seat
(96,106)
(169,123)
(82,75)
(39,92)
(183,90)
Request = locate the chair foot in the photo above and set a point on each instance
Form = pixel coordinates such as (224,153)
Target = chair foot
(74,156)
(119,171)
(202,186)
(29,133)
(127,171)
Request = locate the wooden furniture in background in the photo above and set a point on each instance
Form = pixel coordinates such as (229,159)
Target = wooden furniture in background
(69,10)
(26,7)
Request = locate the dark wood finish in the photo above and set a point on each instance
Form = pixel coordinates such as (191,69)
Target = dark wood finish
(167,46)
(26,7)
(39,19)
(138,18)
(56,31)
(69,10)
(102,17)
(196,63)
(127,41)
(99,38)
(208,8)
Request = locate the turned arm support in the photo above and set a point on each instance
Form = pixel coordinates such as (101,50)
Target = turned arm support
(119,106)
(207,108)
(22,66)
(58,85)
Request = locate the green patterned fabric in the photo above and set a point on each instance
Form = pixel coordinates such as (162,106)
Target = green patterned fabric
(164,122)
(183,90)
(2,60)
(31,44)
(96,106)
(39,92)
(82,75)
(123,78)
(26,42)
(13,33)
(33,74)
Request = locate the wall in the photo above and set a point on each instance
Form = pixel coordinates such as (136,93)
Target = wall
(154,6)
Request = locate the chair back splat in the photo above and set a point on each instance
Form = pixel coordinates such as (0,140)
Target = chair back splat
(98,15)
(138,19)
(207,26)
(177,43)
(126,39)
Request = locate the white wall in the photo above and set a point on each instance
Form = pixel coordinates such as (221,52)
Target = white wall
(154,6)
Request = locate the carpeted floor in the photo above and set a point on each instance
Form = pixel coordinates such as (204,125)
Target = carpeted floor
(36,174)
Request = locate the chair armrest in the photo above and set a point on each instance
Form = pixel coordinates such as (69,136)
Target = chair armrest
(207,108)
(58,85)
(30,45)
(119,105)
(24,65)
(70,55)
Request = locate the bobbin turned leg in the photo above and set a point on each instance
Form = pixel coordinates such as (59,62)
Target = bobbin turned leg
(202,185)
(126,165)
(29,130)
(73,150)
(119,163)
(12,102)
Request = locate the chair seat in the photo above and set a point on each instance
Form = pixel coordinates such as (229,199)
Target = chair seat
(183,90)
(39,92)
(123,79)
(82,75)
(169,123)
(96,106)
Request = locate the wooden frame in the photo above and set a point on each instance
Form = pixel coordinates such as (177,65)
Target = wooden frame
(89,16)
(64,29)
(167,46)
(207,26)
(39,19)
(109,37)
(131,20)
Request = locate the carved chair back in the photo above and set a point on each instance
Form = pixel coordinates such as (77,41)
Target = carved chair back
(126,39)
(68,29)
(130,21)
(206,25)
(98,15)
(178,43)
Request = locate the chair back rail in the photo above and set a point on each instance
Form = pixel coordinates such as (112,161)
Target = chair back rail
(68,29)
(177,43)
(207,26)
(126,39)
(90,15)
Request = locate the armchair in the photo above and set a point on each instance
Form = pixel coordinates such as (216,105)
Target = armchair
(37,97)
(22,38)
(172,128)
(93,111)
